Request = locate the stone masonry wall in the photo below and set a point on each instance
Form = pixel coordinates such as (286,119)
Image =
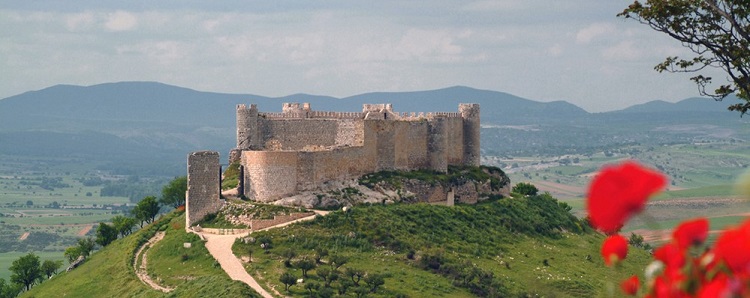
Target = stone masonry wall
(297,134)
(259,224)
(335,165)
(349,132)
(454,151)
(415,144)
(204,186)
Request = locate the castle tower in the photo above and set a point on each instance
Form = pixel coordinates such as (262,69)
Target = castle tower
(437,145)
(247,127)
(470,114)
(295,109)
(203,186)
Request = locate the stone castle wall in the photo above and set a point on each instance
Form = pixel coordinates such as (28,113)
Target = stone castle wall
(204,186)
(300,149)
(297,134)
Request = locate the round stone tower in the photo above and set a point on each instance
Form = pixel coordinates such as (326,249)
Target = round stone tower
(247,127)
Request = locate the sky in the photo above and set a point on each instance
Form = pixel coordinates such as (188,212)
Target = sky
(572,50)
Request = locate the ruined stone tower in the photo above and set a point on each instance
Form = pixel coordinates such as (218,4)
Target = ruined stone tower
(204,186)
(470,114)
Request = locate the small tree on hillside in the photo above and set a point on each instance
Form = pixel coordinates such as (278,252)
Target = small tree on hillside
(173,194)
(288,280)
(320,253)
(355,275)
(146,210)
(337,261)
(525,189)
(105,234)
(374,281)
(327,275)
(288,254)
(50,267)
(85,246)
(72,253)
(312,287)
(26,270)
(9,290)
(306,264)
(124,224)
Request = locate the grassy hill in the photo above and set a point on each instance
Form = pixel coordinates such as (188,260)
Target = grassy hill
(498,248)
(508,247)
(109,272)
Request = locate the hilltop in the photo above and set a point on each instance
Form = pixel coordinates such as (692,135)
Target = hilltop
(499,247)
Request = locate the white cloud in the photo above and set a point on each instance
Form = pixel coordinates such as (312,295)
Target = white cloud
(555,50)
(537,49)
(427,45)
(166,52)
(80,21)
(593,31)
(494,5)
(121,21)
(623,51)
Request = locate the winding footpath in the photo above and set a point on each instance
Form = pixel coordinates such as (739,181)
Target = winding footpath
(220,247)
(141,270)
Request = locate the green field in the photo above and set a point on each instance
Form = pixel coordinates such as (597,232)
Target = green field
(701,181)
(45,206)
(706,169)
(9,257)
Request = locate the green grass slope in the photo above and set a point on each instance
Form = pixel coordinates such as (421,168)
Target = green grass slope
(109,272)
(499,248)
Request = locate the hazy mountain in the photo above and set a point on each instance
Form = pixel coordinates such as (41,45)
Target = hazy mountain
(155,121)
(694,104)
(115,106)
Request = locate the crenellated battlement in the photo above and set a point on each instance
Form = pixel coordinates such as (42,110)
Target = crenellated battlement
(243,107)
(312,114)
(375,112)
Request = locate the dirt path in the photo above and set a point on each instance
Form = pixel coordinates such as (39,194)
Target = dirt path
(85,230)
(141,271)
(24,236)
(220,246)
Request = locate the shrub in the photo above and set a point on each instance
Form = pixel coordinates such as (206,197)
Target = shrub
(525,189)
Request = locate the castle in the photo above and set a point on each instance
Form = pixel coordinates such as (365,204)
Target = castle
(300,149)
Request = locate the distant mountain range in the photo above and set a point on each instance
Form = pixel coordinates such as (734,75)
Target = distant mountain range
(137,119)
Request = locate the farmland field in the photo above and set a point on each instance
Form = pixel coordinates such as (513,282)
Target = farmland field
(701,181)
(46,204)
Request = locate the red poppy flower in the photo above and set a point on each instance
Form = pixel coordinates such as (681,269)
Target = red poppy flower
(630,286)
(733,247)
(671,255)
(618,192)
(614,249)
(666,289)
(718,287)
(691,232)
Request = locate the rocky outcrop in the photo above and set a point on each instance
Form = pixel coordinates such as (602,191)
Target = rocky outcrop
(467,185)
